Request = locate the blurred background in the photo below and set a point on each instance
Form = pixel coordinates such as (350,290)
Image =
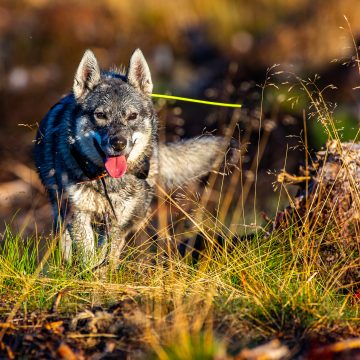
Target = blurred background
(218,50)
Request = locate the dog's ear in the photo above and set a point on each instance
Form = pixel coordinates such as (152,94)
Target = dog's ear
(138,74)
(87,75)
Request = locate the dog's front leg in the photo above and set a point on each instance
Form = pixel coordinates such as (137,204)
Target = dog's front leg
(82,235)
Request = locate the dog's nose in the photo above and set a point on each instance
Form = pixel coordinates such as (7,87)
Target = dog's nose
(118,143)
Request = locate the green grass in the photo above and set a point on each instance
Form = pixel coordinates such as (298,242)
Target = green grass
(261,287)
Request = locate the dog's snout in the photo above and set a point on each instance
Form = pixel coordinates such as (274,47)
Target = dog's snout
(118,143)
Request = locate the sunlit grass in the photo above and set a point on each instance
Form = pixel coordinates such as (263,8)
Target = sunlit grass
(268,285)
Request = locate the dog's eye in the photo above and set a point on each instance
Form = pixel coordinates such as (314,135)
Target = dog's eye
(100,115)
(132,116)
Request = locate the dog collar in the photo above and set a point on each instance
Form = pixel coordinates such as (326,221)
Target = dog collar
(93,179)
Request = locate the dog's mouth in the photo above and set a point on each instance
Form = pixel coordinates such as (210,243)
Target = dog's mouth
(116,166)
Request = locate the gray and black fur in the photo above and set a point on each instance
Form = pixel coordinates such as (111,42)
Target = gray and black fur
(110,114)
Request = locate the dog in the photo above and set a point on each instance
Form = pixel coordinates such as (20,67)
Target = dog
(98,155)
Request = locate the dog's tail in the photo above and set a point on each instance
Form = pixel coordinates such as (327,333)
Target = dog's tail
(184,161)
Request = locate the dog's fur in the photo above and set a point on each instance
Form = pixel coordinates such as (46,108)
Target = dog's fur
(75,137)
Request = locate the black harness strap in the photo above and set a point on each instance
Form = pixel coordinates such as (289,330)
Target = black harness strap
(108,197)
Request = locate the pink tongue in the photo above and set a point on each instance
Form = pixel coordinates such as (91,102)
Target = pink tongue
(116,166)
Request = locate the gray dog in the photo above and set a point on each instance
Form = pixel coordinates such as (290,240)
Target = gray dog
(98,155)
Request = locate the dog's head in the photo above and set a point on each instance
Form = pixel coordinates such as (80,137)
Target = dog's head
(116,121)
